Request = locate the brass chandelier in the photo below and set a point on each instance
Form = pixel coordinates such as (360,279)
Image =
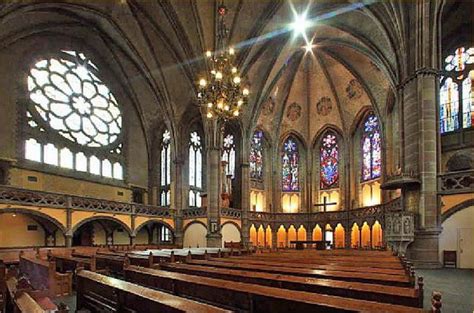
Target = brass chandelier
(221,92)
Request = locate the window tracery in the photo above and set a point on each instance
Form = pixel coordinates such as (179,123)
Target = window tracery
(329,161)
(73,119)
(371,149)
(290,166)
(165,174)
(456,94)
(195,169)
(228,154)
(256,156)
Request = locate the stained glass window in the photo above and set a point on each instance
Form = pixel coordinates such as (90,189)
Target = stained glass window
(371,149)
(456,94)
(290,165)
(165,174)
(195,169)
(256,156)
(468,100)
(329,161)
(449,110)
(228,154)
(69,101)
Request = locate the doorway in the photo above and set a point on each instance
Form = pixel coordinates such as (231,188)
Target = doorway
(466,247)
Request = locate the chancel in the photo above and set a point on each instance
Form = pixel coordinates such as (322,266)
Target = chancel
(236,155)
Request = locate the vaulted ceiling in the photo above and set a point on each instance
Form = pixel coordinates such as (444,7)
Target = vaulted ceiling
(155,49)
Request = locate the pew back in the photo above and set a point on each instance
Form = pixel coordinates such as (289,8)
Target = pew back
(100,293)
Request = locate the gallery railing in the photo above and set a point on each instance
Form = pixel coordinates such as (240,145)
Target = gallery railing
(19,196)
(456,182)
(366,214)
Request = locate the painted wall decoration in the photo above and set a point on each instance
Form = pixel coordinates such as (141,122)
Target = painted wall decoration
(294,112)
(268,106)
(324,106)
(354,89)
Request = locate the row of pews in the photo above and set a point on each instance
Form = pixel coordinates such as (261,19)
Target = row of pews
(236,279)
(316,281)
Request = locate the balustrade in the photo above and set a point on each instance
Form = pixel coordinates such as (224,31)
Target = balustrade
(456,182)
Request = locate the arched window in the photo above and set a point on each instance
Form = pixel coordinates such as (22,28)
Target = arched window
(457,103)
(371,149)
(256,156)
(195,170)
(329,161)
(228,154)
(73,119)
(165,174)
(290,166)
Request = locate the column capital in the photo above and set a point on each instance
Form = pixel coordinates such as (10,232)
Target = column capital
(424,71)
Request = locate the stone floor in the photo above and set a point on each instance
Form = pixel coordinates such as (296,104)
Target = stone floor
(455,285)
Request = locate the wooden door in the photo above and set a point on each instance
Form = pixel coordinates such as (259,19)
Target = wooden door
(466,247)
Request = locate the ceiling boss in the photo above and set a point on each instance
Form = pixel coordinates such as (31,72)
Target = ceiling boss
(222,94)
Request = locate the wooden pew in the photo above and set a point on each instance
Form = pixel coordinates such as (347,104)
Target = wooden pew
(22,298)
(43,275)
(374,278)
(324,261)
(372,292)
(354,268)
(100,293)
(251,297)
(3,287)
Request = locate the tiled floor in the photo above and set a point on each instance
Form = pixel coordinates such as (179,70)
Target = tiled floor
(455,285)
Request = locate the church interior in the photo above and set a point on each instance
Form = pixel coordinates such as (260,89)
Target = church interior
(320,157)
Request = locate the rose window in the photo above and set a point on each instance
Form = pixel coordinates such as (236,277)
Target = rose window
(73,101)
(73,119)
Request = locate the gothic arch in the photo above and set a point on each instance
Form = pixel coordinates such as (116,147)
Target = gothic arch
(235,224)
(101,217)
(152,221)
(458,207)
(27,212)
(322,131)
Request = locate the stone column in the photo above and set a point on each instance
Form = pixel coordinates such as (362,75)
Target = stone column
(274,238)
(245,228)
(347,237)
(213,170)
(68,235)
(177,194)
(420,159)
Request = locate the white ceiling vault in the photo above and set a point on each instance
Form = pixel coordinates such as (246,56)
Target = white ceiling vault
(155,49)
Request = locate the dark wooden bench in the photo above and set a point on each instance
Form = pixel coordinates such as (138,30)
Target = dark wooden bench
(325,261)
(354,268)
(43,275)
(373,278)
(100,293)
(251,297)
(372,292)
(320,244)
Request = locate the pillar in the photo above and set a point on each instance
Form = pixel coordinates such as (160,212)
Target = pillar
(177,204)
(213,170)
(245,194)
(274,238)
